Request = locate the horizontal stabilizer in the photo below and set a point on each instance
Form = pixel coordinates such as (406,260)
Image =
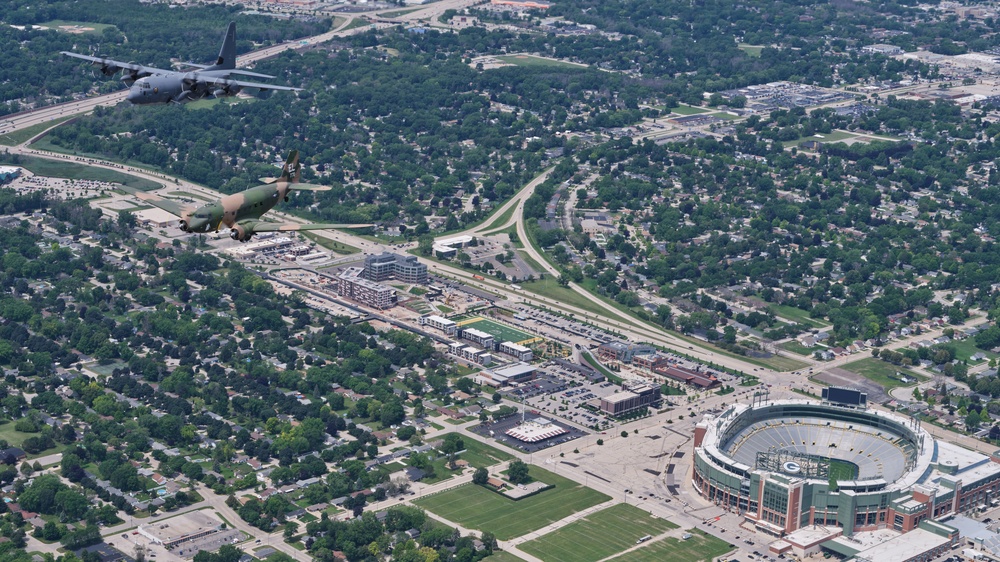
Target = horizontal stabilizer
(267,180)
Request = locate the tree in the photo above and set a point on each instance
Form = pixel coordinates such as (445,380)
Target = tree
(481,475)
(518,472)
(451,446)
(291,528)
(972,420)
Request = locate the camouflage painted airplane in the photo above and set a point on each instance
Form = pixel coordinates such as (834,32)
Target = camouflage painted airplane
(241,212)
(154,85)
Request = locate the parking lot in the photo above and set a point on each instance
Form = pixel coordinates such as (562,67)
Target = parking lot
(567,394)
(498,431)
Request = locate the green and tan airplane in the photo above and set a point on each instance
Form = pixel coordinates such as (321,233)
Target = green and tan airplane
(241,212)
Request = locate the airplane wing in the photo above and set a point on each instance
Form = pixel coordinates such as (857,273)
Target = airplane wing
(169,205)
(285,227)
(234,71)
(311,187)
(223,82)
(111,66)
(252,74)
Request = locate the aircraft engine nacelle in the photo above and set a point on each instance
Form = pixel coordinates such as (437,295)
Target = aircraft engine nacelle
(183,225)
(229,90)
(109,69)
(241,232)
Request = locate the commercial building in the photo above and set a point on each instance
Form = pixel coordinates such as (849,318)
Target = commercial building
(770,462)
(519,352)
(538,429)
(624,352)
(448,247)
(516,373)
(155,218)
(633,398)
(394,266)
(650,362)
(353,286)
(882,49)
(478,337)
(687,376)
(9,173)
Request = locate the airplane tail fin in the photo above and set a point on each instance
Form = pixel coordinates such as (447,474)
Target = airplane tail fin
(227,54)
(291,171)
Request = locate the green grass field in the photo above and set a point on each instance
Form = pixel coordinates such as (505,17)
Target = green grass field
(751,50)
(74,171)
(796,347)
(529,60)
(397,13)
(501,219)
(15,438)
(332,245)
(701,547)
(65,26)
(881,373)
(796,315)
(835,136)
(687,110)
(499,331)
(210,103)
(25,134)
(478,508)
(597,536)
(550,288)
(358,22)
(964,349)
(481,455)
(842,470)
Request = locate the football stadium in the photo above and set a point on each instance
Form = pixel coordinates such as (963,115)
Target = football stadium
(790,464)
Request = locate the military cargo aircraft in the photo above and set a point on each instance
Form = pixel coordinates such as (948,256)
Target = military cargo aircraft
(149,85)
(241,212)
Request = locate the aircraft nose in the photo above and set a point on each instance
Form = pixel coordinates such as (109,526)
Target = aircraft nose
(133,94)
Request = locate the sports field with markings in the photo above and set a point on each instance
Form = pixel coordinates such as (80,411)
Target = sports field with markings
(476,507)
(500,332)
(597,536)
(699,548)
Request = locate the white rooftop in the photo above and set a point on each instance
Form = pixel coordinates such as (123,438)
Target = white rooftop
(807,536)
(903,547)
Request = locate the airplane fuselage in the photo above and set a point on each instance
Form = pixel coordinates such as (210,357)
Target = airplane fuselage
(232,209)
(166,88)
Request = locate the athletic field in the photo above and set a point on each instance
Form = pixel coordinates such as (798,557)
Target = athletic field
(476,507)
(500,332)
(597,536)
(699,548)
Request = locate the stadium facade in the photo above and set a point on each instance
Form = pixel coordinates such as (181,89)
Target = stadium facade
(785,465)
